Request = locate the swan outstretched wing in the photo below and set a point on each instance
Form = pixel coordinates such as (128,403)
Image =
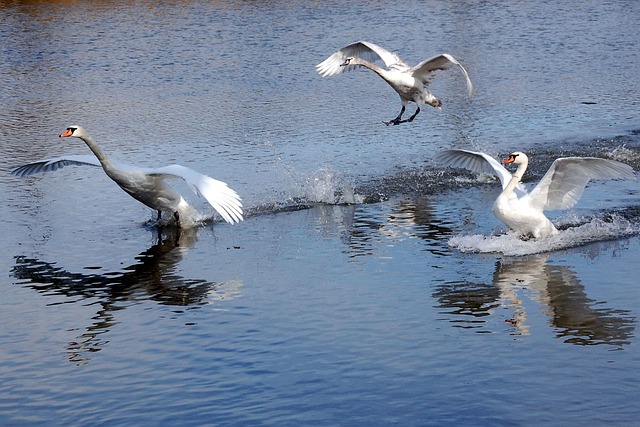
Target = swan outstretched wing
(475,162)
(563,184)
(365,50)
(223,199)
(49,165)
(443,61)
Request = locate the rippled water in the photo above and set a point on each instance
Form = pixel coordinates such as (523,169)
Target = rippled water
(367,285)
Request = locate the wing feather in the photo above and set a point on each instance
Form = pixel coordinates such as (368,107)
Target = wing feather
(443,61)
(563,184)
(366,50)
(475,162)
(50,165)
(223,199)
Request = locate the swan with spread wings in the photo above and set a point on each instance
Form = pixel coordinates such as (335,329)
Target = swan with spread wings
(147,185)
(560,188)
(411,83)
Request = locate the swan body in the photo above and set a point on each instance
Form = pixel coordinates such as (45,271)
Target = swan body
(147,185)
(560,188)
(411,83)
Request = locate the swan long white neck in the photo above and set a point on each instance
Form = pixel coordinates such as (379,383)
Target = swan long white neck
(373,67)
(516,177)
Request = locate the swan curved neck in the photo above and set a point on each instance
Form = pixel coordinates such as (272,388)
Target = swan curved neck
(516,177)
(522,167)
(95,149)
(373,67)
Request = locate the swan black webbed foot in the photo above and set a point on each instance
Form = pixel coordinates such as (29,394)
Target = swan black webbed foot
(397,120)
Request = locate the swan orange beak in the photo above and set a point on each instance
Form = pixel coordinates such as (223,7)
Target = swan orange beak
(508,160)
(66,133)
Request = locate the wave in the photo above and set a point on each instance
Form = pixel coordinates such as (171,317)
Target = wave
(612,227)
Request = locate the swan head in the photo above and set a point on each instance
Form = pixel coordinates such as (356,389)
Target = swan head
(75,131)
(351,60)
(429,99)
(517,158)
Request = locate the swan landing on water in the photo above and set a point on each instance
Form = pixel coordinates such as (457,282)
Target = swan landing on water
(411,83)
(147,185)
(560,188)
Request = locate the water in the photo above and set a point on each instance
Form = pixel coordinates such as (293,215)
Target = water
(367,284)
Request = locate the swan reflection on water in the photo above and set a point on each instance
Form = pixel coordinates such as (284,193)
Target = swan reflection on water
(408,218)
(556,289)
(577,319)
(151,277)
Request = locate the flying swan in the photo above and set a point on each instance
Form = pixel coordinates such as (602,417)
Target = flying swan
(410,82)
(147,185)
(560,188)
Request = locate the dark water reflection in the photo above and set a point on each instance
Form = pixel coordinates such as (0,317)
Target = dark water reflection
(152,276)
(557,292)
(411,217)
(521,285)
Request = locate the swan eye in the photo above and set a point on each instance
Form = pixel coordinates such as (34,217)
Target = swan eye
(72,129)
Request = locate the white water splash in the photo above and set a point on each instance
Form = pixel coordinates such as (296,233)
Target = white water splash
(623,154)
(510,243)
(326,186)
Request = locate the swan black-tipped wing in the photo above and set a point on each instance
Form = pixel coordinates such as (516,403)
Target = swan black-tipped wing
(223,199)
(50,165)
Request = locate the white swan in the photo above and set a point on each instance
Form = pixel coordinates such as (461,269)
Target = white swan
(410,82)
(560,188)
(147,185)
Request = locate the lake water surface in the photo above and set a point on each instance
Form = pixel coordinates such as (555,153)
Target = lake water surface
(368,285)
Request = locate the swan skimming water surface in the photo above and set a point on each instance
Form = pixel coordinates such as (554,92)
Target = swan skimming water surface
(411,83)
(147,185)
(560,188)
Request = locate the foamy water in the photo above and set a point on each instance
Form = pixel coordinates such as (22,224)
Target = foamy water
(510,243)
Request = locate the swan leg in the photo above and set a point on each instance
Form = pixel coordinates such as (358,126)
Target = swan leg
(178,229)
(398,119)
(410,119)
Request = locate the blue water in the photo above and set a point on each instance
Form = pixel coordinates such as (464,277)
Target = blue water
(367,285)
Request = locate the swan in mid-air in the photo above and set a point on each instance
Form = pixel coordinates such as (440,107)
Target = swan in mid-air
(147,185)
(411,83)
(560,188)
